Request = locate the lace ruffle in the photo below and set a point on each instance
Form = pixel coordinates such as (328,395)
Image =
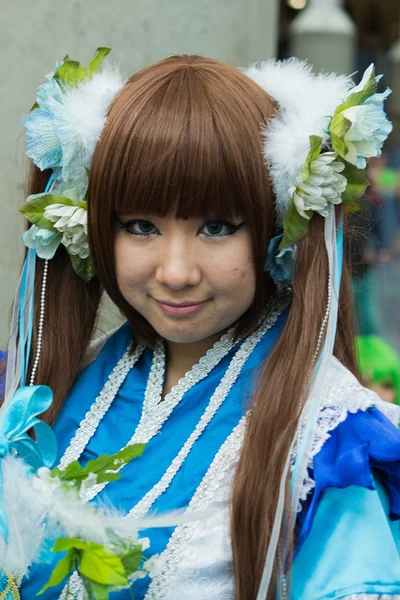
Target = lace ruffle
(343,395)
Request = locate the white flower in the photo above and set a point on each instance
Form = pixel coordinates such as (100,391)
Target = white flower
(323,186)
(71,221)
(155,565)
(369,126)
(44,241)
(144,542)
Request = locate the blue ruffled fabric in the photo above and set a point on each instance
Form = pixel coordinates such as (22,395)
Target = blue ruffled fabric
(365,444)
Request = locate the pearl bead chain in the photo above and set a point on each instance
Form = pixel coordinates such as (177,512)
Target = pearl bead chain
(41,323)
(325,320)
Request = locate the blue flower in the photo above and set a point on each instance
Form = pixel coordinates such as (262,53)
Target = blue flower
(280,264)
(52,141)
(43,144)
(44,241)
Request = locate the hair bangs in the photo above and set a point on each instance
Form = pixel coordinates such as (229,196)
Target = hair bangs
(186,151)
(183,138)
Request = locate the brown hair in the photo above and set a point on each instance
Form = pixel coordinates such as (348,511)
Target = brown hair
(183,138)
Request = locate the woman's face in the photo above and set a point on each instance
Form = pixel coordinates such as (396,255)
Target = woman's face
(190,279)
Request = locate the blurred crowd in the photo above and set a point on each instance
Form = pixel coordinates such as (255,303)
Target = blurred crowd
(375,254)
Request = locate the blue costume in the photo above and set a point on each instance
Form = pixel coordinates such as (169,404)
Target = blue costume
(349,541)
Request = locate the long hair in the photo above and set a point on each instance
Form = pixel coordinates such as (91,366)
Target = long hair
(183,138)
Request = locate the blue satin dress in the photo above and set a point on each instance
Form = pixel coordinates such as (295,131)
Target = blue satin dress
(349,532)
(119,423)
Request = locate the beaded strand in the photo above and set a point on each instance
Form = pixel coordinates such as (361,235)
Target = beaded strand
(41,322)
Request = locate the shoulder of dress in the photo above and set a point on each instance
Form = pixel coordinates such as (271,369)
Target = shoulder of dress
(346,401)
(344,394)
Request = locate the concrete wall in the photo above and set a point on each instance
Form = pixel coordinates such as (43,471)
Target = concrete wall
(36,34)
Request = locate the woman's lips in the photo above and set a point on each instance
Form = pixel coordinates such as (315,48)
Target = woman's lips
(180,310)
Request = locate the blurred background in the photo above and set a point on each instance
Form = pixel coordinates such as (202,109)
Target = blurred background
(334,35)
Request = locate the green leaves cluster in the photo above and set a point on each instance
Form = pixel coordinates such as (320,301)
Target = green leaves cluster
(339,124)
(33,209)
(357,183)
(104,467)
(100,569)
(72,73)
(295,226)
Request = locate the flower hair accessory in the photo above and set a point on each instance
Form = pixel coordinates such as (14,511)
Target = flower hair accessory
(62,130)
(317,145)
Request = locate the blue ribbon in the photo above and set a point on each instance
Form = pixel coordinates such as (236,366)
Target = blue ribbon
(19,417)
(26,305)
(26,300)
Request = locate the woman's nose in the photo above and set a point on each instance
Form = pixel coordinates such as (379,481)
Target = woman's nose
(178,266)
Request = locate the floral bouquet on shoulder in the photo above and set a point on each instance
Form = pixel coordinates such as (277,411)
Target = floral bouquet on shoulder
(42,510)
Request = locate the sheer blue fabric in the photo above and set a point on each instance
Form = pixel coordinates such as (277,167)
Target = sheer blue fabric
(118,425)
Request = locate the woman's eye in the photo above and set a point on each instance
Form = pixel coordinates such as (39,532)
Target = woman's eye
(140,227)
(219,228)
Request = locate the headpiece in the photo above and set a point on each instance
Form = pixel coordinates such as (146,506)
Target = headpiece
(62,129)
(315,146)
(316,149)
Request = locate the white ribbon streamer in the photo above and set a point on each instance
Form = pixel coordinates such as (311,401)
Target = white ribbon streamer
(309,413)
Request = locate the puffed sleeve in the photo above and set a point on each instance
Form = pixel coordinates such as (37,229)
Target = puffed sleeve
(349,540)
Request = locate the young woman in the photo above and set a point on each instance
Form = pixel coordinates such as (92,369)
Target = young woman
(224,367)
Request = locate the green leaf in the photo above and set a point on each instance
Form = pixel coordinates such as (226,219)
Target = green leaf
(360,97)
(294,225)
(34,107)
(60,572)
(103,466)
(132,560)
(339,124)
(357,183)
(82,204)
(33,209)
(114,462)
(72,470)
(100,591)
(338,144)
(83,267)
(63,544)
(108,477)
(101,565)
(95,63)
(71,73)
(314,152)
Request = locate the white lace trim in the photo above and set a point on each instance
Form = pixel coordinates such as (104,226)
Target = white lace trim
(201,499)
(343,395)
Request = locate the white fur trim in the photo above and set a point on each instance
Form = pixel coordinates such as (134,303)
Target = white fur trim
(305,104)
(86,107)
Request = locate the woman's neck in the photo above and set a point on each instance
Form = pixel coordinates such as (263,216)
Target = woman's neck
(182,357)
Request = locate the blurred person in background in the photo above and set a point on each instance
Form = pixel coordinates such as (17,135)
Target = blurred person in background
(380,367)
